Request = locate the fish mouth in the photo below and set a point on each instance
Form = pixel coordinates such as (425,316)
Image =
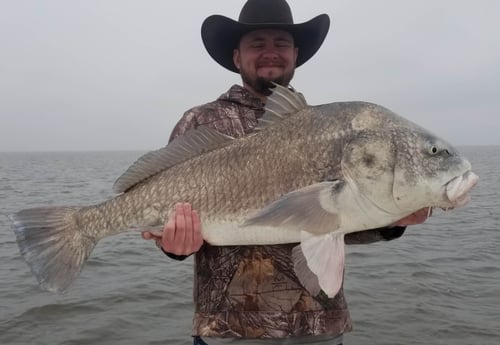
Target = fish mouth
(458,188)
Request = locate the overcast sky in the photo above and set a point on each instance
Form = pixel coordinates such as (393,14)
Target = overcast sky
(118,74)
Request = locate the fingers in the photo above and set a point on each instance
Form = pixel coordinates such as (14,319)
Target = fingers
(197,237)
(183,224)
(146,235)
(152,235)
(421,215)
(182,232)
(168,237)
(418,217)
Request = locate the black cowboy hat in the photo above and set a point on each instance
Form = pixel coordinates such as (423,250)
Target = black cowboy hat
(221,35)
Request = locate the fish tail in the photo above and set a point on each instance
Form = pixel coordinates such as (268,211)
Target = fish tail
(53,244)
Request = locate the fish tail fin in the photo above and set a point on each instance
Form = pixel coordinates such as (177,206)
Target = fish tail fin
(52,244)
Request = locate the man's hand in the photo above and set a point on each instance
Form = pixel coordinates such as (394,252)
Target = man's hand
(415,218)
(181,234)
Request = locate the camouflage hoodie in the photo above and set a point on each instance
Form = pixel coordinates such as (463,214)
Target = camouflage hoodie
(252,291)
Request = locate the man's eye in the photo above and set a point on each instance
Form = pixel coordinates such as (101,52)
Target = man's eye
(282,44)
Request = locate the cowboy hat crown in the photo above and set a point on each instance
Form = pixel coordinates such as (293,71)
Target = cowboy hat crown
(221,35)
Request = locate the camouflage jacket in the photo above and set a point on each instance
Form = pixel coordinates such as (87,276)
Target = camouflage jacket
(252,291)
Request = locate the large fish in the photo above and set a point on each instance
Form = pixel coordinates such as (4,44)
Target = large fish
(308,175)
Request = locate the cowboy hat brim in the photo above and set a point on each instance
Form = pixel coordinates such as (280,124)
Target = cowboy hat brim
(221,36)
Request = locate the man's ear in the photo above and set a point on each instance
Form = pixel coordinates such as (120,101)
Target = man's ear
(236,58)
(296,53)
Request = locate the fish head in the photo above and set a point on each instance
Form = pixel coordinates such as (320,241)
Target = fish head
(401,169)
(429,172)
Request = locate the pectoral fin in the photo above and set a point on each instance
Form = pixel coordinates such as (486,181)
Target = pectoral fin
(319,262)
(303,209)
(314,212)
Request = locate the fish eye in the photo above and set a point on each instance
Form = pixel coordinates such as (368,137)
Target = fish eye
(433,149)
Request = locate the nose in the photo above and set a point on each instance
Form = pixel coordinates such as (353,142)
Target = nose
(273,57)
(270,55)
(270,48)
(270,52)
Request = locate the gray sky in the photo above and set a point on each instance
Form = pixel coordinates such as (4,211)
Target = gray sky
(118,74)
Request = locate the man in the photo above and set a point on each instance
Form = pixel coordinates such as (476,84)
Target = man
(251,292)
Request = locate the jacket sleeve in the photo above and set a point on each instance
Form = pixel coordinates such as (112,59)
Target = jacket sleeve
(375,235)
(174,256)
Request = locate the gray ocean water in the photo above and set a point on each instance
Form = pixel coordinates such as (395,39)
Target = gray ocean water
(438,284)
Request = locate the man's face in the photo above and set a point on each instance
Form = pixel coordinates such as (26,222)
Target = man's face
(264,56)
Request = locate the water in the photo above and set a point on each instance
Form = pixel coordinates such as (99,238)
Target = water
(438,284)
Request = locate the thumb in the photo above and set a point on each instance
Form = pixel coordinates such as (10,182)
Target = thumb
(146,235)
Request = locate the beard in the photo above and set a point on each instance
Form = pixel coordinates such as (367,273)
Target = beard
(263,85)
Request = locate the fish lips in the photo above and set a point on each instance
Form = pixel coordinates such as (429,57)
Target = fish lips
(458,188)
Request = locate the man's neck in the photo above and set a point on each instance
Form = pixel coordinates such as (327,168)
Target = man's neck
(262,97)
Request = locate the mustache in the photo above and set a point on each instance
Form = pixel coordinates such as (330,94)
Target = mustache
(271,62)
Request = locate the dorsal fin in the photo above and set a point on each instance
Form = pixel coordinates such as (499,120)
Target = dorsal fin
(282,102)
(191,144)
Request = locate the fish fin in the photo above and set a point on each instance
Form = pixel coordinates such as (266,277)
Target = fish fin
(306,277)
(282,102)
(322,257)
(52,245)
(302,209)
(193,143)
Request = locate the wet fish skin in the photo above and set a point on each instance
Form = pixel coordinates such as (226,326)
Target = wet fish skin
(309,175)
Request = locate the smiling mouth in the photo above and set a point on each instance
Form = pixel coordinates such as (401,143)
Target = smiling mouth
(270,63)
(269,67)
